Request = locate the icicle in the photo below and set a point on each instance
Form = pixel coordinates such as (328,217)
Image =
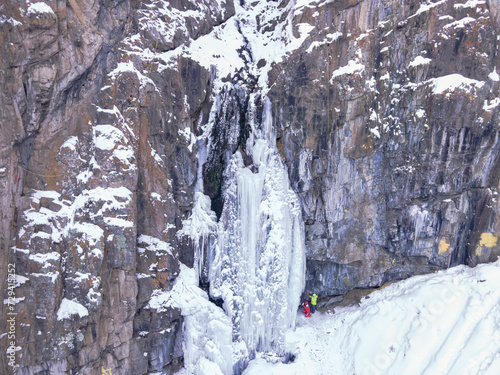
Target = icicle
(199,227)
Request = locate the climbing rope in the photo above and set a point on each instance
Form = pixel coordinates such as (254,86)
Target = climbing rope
(11,233)
(45,175)
(327,49)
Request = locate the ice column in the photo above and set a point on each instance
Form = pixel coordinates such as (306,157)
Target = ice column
(207,330)
(201,226)
(257,266)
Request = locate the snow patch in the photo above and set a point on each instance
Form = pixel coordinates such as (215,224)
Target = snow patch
(420,113)
(107,137)
(10,20)
(494,75)
(124,67)
(460,24)
(420,60)
(426,6)
(21,280)
(39,8)
(52,275)
(351,68)
(70,308)
(454,82)
(70,143)
(154,244)
(44,258)
(117,222)
(470,4)
(489,106)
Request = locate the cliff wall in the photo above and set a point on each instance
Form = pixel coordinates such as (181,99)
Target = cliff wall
(385,112)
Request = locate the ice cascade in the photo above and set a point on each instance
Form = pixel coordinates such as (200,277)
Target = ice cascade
(254,257)
(257,265)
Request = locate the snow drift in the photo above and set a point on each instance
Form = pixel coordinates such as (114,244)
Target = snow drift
(444,323)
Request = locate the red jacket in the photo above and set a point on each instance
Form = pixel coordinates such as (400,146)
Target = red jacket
(307,309)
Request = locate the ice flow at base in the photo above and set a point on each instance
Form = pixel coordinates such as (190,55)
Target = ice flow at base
(255,254)
(257,266)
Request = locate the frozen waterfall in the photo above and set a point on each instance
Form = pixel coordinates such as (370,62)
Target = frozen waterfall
(256,257)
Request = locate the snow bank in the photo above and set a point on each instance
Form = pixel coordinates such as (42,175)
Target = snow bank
(444,323)
(447,323)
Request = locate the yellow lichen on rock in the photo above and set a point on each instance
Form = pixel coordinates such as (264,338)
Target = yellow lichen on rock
(487,240)
(443,247)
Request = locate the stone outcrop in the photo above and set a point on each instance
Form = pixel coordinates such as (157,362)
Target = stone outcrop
(386,115)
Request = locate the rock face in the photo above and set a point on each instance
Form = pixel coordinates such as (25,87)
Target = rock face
(402,177)
(112,112)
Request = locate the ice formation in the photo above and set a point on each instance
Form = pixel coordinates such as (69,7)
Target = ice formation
(256,257)
(207,331)
(257,267)
(253,257)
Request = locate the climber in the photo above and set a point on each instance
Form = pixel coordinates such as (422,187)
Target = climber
(314,300)
(306,310)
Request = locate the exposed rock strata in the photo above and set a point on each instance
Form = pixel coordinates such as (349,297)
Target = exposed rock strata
(98,155)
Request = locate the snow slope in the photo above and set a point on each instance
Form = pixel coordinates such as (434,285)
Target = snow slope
(443,323)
